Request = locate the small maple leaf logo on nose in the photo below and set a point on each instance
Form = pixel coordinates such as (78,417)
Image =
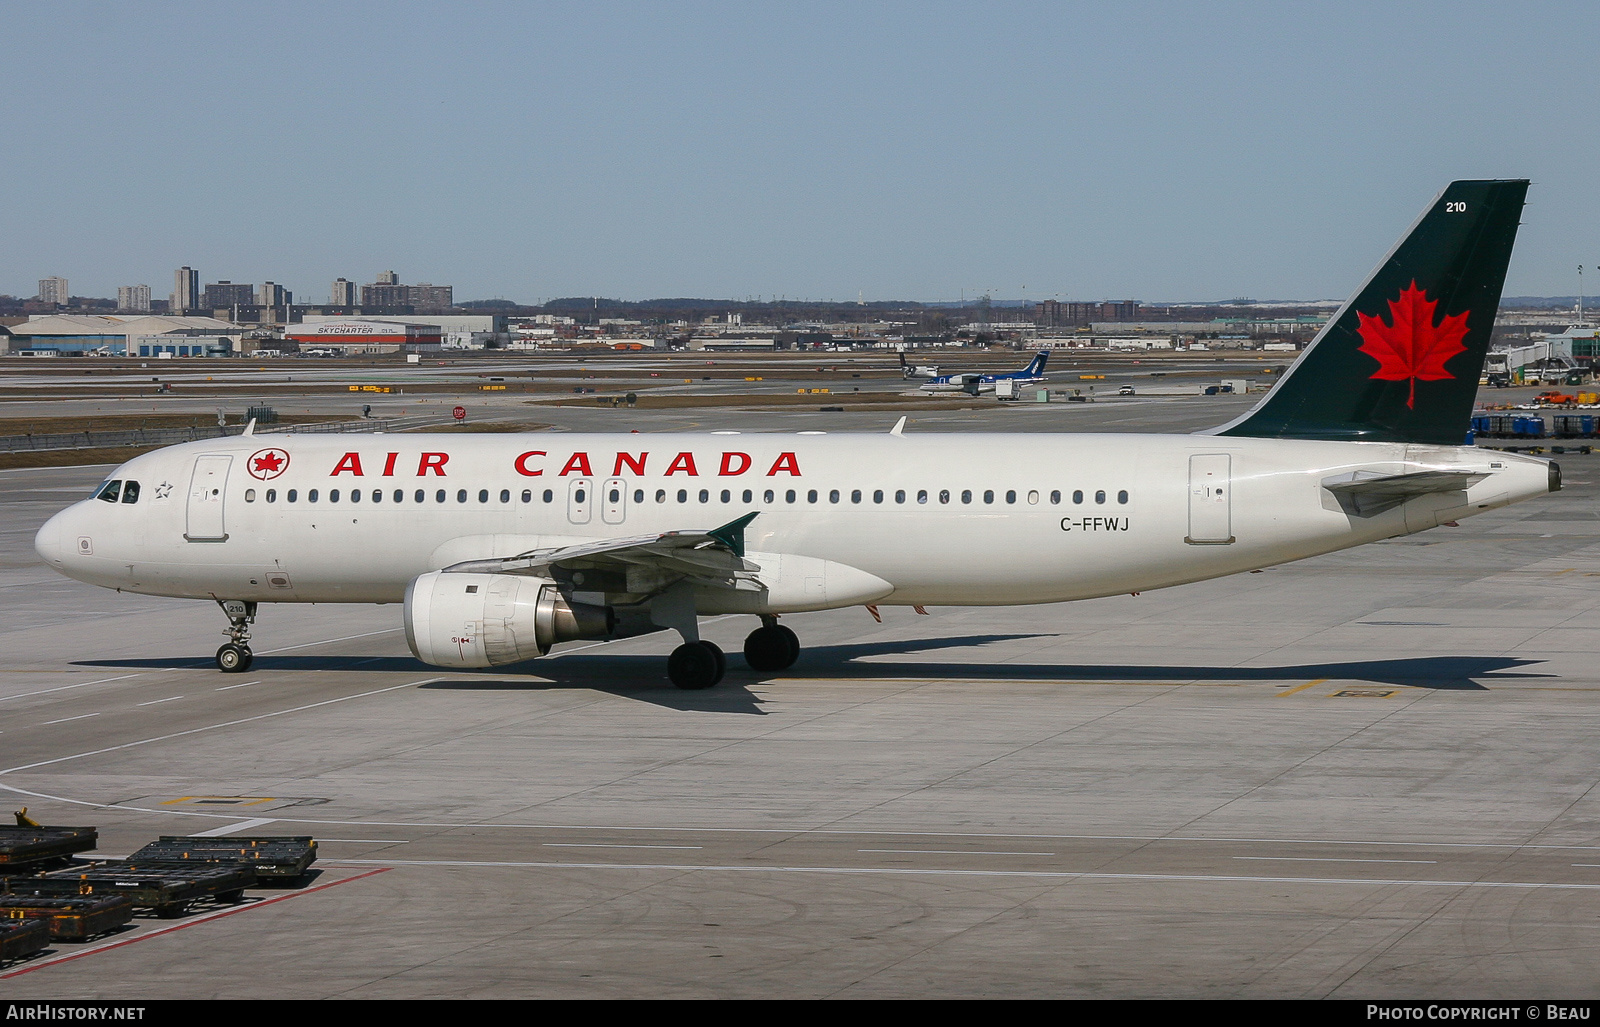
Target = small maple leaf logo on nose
(1411,347)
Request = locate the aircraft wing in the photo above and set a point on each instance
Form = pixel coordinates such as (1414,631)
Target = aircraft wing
(1365,493)
(642,565)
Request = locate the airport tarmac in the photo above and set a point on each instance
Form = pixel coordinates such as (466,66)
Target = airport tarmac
(1366,775)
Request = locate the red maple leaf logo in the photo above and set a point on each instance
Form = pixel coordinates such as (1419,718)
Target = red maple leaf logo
(267,464)
(1412,347)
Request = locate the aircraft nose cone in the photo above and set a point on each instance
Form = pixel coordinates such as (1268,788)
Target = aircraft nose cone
(47,543)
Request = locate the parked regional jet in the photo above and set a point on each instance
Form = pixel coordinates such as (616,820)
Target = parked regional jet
(976,382)
(502,546)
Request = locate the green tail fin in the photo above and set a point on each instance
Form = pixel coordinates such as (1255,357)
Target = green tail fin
(1401,359)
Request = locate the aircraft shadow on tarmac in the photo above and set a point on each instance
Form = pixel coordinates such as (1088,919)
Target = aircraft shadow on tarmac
(642,677)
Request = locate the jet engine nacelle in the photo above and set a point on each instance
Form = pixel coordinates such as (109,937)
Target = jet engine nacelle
(455,619)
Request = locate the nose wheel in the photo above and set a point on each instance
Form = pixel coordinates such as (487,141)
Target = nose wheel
(235,657)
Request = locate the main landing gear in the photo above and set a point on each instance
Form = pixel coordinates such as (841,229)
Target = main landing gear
(235,657)
(701,664)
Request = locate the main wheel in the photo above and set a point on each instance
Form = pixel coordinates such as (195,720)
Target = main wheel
(773,648)
(233,658)
(692,666)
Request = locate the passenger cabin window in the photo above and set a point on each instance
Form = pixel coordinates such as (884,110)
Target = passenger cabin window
(130,492)
(811,495)
(988,495)
(944,495)
(1122,497)
(769,496)
(922,495)
(877,495)
(1011,495)
(505,495)
(833,495)
(527,495)
(748,495)
(272,495)
(249,495)
(683,495)
(1055,495)
(109,493)
(661,495)
(333,495)
(1077,495)
(638,495)
(789,496)
(899,495)
(549,495)
(311,496)
(461,496)
(293,495)
(705,495)
(1100,497)
(355,495)
(438,497)
(966,495)
(420,496)
(483,495)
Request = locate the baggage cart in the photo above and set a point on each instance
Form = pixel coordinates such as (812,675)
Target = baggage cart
(166,888)
(272,857)
(70,918)
(24,850)
(20,938)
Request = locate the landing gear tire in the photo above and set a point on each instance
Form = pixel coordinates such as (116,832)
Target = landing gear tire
(770,648)
(233,658)
(695,665)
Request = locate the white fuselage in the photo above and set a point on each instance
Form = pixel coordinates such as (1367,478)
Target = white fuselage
(922,519)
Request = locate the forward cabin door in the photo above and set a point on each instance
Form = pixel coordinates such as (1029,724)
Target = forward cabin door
(1210,496)
(208,494)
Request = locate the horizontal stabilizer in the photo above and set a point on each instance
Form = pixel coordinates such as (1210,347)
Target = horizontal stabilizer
(1366,493)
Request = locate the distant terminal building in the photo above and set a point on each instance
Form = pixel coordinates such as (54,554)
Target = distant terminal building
(343,293)
(185,290)
(119,335)
(53,290)
(133,299)
(224,295)
(348,335)
(455,331)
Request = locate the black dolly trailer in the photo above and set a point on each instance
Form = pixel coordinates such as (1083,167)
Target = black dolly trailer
(24,850)
(166,888)
(70,918)
(274,858)
(20,938)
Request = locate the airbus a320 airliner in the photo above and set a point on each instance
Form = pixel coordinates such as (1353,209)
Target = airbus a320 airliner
(502,546)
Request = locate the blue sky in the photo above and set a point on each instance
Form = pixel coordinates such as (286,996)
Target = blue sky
(901,151)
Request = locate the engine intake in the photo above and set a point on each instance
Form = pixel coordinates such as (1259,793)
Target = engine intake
(456,619)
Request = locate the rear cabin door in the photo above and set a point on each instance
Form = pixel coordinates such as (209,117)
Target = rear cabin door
(580,501)
(1210,498)
(208,495)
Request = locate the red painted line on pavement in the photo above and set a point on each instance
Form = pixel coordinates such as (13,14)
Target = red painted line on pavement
(178,927)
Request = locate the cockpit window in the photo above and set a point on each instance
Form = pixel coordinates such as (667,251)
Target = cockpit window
(130,492)
(109,493)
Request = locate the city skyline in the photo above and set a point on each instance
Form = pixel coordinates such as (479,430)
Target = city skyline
(896,151)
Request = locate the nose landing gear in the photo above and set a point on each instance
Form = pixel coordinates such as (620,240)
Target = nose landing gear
(235,656)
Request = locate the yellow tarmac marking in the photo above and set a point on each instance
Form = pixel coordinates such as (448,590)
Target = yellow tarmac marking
(232,800)
(1301,688)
